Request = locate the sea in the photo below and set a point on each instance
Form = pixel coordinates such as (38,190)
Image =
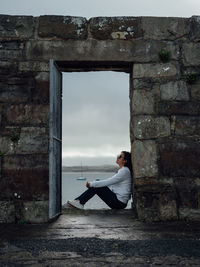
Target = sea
(72,188)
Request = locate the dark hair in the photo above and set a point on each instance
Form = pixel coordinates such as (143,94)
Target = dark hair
(127,157)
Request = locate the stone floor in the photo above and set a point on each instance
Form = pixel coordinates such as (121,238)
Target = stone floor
(96,238)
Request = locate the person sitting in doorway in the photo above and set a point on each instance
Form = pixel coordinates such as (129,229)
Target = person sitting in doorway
(114,191)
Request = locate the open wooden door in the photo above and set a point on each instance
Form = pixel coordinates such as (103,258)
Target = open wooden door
(55,141)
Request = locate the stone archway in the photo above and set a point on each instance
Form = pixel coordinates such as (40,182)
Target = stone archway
(164,104)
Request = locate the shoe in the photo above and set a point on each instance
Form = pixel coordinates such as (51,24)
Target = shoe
(76,204)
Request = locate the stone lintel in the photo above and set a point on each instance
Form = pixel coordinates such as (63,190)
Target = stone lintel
(102,50)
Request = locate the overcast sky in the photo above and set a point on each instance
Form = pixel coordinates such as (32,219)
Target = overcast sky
(96,104)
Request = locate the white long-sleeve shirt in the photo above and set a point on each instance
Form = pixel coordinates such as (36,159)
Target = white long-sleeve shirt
(120,184)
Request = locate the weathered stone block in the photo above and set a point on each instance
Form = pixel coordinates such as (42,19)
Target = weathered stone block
(62,27)
(195,91)
(148,127)
(180,158)
(154,70)
(12,50)
(36,211)
(169,28)
(185,125)
(145,181)
(142,84)
(0,114)
(40,93)
(156,203)
(8,67)
(178,108)
(143,102)
(27,114)
(16,89)
(189,214)
(168,207)
(144,159)
(188,192)
(104,28)
(195,28)
(191,54)
(7,212)
(149,213)
(25,177)
(5,145)
(105,50)
(14,93)
(175,90)
(16,27)
(34,66)
(33,140)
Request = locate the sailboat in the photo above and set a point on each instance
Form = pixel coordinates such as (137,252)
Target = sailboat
(81,178)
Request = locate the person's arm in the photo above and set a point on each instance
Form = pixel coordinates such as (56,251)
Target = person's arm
(118,177)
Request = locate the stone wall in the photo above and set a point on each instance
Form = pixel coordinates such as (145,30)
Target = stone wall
(164,104)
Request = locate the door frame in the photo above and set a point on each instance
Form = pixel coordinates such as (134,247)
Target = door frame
(55,141)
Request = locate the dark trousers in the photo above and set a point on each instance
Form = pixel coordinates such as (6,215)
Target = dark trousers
(105,194)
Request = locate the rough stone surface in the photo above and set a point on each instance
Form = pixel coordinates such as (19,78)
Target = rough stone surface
(16,89)
(21,114)
(62,27)
(33,66)
(178,108)
(124,28)
(41,91)
(187,126)
(195,28)
(154,70)
(7,212)
(168,208)
(143,102)
(191,54)
(187,193)
(189,214)
(105,50)
(195,91)
(35,211)
(156,202)
(142,84)
(12,50)
(7,67)
(16,27)
(174,91)
(148,127)
(144,159)
(0,114)
(169,28)
(33,140)
(29,180)
(180,158)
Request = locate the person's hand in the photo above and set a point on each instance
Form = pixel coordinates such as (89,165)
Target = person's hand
(87,184)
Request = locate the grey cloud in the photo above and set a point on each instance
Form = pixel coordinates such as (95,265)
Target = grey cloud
(95,117)
(89,8)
